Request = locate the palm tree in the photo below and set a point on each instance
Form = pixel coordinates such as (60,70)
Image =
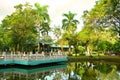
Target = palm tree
(69,25)
(45,28)
(41,15)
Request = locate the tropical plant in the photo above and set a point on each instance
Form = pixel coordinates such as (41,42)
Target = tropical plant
(116,46)
(69,25)
(98,26)
(19,28)
(42,20)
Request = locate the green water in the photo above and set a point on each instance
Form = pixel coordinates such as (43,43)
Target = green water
(69,71)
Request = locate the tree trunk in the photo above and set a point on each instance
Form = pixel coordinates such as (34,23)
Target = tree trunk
(38,39)
(88,50)
(69,49)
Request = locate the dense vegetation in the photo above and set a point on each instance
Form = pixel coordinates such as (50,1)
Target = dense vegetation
(20,30)
(23,29)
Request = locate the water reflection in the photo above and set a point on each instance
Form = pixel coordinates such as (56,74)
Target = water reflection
(94,71)
(46,72)
(83,70)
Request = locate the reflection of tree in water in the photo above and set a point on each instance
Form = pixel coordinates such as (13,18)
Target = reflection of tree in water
(78,69)
(70,67)
(105,68)
(89,72)
(107,71)
(74,71)
(93,71)
(42,75)
(14,76)
(113,76)
(57,76)
(26,76)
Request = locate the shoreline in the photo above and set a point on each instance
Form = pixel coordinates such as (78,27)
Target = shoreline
(95,58)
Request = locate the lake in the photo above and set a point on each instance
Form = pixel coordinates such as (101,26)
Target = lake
(83,70)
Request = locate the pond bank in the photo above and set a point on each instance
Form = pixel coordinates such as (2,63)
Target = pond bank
(95,58)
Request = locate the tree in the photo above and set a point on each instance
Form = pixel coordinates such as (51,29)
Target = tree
(57,32)
(96,23)
(69,25)
(41,18)
(112,17)
(88,38)
(116,46)
(104,14)
(88,33)
(104,46)
(20,26)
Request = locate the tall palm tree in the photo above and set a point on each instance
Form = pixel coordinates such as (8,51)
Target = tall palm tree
(41,15)
(69,24)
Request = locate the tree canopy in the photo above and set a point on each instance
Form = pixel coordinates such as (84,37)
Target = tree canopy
(100,32)
(19,29)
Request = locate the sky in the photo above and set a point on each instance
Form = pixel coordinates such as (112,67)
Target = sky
(56,8)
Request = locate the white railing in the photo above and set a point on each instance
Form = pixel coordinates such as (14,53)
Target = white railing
(31,57)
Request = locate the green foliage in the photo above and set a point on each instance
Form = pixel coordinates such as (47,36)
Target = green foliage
(57,32)
(116,46)
(105,68)
(81,49)
(42,20)
(69,24)
(101,25)
(104,14)
(87,35)
(19,29)
(90,74)
(104,46)
(73,40)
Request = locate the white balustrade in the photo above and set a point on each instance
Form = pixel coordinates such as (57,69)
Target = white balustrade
(30,57)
